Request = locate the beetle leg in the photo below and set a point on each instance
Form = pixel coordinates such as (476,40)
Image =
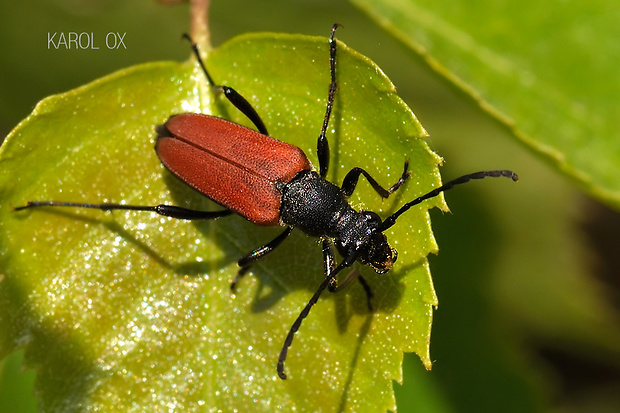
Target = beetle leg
(249,259)
(329,261)
(245,107)
(322,143)
(231,94)
(189,214)
(165,210)
(334,286)
(350,181)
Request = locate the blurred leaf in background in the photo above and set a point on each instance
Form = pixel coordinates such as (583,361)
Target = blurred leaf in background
(544,71)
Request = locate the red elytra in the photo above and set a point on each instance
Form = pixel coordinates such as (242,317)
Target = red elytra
(235,166)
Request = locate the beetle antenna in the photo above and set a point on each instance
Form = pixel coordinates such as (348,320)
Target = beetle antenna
(347,262)
(389,221)
(291,333)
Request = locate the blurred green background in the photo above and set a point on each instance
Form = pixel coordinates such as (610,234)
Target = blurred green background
(527,275)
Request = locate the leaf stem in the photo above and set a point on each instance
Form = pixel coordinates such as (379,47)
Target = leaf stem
(199,23)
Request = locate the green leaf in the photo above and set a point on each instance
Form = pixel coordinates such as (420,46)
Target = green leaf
(129,310)
(542,69)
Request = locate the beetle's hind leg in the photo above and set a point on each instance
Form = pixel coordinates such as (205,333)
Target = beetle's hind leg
(231,94)
(164,210)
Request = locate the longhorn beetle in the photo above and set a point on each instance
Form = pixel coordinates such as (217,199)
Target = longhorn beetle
(269,182)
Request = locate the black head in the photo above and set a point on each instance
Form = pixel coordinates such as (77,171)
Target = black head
(377,253)
(360,236)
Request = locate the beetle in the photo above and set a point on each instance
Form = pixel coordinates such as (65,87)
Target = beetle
(270,182)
